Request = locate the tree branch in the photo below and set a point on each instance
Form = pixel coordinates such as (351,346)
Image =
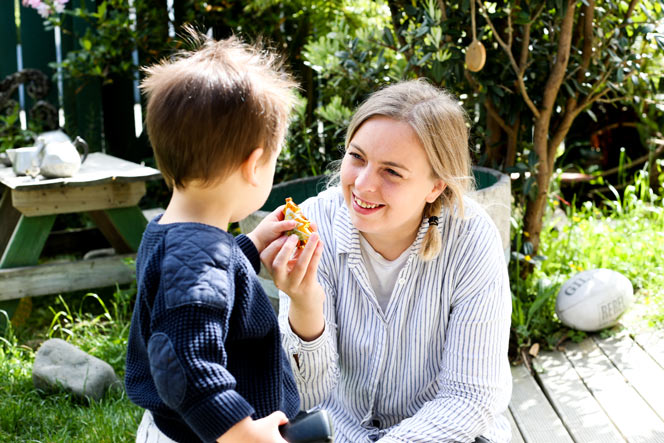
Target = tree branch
(588,12)
(518,70)
(557,74)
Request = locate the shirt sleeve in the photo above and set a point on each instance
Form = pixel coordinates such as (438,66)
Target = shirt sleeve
(187,356)
(315,363)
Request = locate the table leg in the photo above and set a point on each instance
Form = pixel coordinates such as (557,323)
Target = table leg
(122,227)
(23,249)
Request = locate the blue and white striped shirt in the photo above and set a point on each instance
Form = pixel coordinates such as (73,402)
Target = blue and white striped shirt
(433,367)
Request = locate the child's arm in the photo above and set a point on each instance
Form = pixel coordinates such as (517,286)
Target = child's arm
(262,430)
(270,228)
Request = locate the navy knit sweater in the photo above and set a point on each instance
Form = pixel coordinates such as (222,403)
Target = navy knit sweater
(204,346)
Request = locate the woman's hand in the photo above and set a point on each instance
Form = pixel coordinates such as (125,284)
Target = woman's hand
(263,430)
(294,272)
(270,228)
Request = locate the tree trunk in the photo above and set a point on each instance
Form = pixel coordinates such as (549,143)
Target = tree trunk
(535,207)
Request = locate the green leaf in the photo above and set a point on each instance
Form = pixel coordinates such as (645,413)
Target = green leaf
(388,37)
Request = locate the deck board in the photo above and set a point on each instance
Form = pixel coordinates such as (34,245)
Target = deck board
(516,434)
(653,343)
(579,410)
(532,412)
(638,368)
(633,417)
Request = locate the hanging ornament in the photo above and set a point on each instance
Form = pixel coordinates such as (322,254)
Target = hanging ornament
(475,52)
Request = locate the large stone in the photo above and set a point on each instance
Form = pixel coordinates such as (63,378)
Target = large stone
(60,365)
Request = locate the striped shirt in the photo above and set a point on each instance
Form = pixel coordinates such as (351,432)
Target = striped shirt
(433,366)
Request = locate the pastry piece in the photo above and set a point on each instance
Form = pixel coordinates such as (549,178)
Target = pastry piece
(302,230)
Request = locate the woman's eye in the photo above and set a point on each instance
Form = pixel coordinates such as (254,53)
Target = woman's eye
(355,155)
(393,172)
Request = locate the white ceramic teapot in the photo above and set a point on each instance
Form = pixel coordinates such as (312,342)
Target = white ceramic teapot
(59,156)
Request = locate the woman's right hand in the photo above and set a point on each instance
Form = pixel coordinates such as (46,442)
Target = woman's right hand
(263,430)
(294,273)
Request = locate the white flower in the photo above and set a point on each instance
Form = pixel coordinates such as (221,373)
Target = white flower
(44,10)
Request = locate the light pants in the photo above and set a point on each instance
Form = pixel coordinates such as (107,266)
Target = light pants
(148,432)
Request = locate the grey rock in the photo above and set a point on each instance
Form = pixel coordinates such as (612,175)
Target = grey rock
(60,365)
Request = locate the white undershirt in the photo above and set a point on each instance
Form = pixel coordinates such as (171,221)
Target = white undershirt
(383,273)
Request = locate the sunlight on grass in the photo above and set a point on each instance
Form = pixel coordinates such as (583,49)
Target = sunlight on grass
(626,235)
(28,415)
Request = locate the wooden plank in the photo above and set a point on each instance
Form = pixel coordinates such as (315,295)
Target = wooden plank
(65,277)
(635,420)
(96,170)
(653,343)
(8,39)
(77,199)
(516,434)
(532,412)
(638,368)
(584,418)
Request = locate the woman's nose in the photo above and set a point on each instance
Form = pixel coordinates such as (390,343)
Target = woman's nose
(365,180)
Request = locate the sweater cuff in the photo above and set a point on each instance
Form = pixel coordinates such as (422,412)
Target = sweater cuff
(211,419)
(249,249)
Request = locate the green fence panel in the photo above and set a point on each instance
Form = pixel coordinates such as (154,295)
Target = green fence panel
(81,96)
(119,130)
(38,49)
(7,39)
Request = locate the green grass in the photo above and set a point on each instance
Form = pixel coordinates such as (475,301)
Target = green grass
(98,326)
(624,233)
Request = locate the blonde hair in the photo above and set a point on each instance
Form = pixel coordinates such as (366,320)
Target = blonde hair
(209,108)
(440,123)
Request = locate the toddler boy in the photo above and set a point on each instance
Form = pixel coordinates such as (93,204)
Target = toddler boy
(204,356)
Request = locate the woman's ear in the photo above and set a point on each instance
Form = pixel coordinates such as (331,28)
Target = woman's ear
(249,167)
(438,188)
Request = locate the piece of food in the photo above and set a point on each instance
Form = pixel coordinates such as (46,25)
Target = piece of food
(302,230)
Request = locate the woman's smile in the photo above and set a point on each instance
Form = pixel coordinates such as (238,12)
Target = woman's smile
(365,207)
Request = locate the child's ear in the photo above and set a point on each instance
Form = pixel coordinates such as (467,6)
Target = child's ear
(250,166)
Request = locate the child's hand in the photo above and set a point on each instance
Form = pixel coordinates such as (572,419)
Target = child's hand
(270,228)
(295,274)
(263,430)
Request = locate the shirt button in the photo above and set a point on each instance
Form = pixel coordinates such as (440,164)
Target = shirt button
(402,281)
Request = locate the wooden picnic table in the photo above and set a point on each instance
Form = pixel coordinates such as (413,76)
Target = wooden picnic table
(107,188)
(601,390)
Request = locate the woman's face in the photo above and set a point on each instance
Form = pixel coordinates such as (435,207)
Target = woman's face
(386,180)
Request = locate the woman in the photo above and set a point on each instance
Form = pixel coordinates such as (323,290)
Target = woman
(403,333)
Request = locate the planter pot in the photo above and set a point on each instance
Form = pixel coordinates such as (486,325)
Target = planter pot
(492,192)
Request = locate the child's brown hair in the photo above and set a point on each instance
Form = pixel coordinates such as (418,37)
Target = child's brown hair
(209,108)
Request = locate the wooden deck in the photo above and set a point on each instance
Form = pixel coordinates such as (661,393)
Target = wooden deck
(600,390)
